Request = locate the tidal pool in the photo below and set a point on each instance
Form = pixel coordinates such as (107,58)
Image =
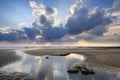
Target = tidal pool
(55,67)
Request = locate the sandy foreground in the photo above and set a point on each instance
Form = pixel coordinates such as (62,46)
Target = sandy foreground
(106,59)
(8,57)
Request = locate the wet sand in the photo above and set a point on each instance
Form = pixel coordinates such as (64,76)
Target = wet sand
(100,58)
(7,57)
(104,58)
(14,76)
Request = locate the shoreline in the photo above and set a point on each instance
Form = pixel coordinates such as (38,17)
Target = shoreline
(102,59)
(8,57)
(105,59)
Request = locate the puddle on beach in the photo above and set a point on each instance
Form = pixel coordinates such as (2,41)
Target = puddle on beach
(55,67)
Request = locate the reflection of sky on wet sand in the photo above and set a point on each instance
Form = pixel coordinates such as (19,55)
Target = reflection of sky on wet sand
(55,68)
(24,65)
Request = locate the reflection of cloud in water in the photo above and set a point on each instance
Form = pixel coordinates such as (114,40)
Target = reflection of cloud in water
(55,68)
(24,65)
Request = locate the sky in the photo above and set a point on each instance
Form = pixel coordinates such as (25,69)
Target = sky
(60,22)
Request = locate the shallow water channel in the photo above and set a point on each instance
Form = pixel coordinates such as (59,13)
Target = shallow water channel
(55,67)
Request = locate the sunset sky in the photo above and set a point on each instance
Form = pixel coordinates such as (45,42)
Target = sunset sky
(60,22)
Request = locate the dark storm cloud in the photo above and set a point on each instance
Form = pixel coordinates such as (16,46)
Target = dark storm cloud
(31,32)
(53,33)
(19,35)
(98,31)
(12,36)
(82,21)
(49,10)
(42,19)
(49,32)
(7,37)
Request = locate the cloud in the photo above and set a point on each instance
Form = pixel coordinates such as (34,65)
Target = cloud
(110,37)
(18,34)
(113,30)
(116,5)
(53,33)
(49,10)
(12,36)
(45,21)
(31,32)
(115,11)
(91,21)
(42,10)
(83,23)
(84,19)
(42,19)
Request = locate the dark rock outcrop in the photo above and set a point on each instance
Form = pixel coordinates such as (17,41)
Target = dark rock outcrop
(83,69)
(73,71)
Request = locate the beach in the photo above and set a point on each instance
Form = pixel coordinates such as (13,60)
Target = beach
(95,56)
(7,56)
(105,59)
